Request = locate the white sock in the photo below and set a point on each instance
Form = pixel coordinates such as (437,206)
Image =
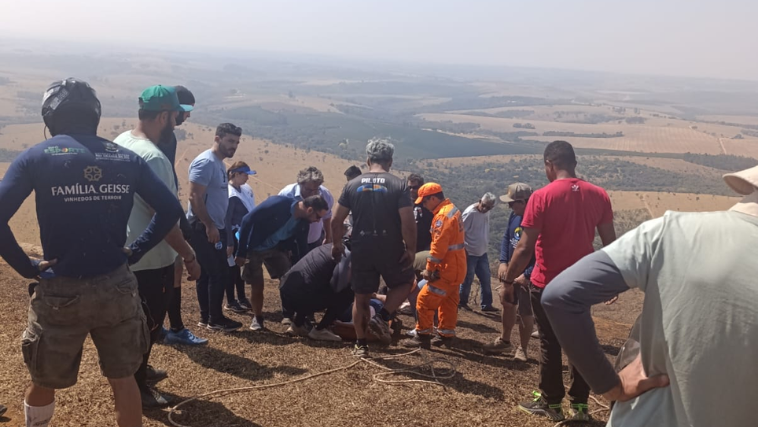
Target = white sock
(38,416)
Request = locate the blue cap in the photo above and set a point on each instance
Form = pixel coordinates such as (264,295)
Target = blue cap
(243,169)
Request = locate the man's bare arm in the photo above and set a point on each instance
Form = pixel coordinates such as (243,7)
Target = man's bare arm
(197,201)
(408,224)
(607,233)
(337,224)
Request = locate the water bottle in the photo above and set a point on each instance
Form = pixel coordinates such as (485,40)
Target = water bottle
(219,245)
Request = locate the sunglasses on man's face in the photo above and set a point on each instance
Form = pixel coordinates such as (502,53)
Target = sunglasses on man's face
(510,204)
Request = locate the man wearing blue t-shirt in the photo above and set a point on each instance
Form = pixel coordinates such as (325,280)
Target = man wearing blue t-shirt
(84,189)
(209,199)
(517,197)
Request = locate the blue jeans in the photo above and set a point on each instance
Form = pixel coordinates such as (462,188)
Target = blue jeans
(479,265)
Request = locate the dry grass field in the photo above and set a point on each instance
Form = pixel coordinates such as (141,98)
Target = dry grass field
(640,138)
(658,203)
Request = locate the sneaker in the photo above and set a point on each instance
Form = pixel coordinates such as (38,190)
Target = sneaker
(381,329)
(406,308)
(464,307)
(286,321)
(536,334)
(234,307)
(257,324)
(224,324)
(498,347)
(490,309)
(360,350)
(152,399)
(411,333)
(323,335)
(3,408)
(440,341)
(580,412)
(539,406)
(202,323)
(297,331)
(162,332)
(155,375)
(184,337)
(245,304)
(520,355)
(420,340)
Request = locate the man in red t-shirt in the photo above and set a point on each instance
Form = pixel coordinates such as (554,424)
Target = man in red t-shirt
(558,228)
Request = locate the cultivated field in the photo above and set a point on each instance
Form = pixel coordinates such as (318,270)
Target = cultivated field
(658,203)
(641,138)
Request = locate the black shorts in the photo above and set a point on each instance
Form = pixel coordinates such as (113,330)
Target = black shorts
(370,262)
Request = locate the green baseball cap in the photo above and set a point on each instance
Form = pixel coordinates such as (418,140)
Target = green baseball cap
(161,98)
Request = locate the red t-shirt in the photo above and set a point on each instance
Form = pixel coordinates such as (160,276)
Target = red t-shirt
(566,212)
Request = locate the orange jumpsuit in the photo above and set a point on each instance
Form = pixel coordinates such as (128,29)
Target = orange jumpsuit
(448,257)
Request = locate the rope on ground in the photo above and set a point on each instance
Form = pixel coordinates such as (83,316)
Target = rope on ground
(379,377)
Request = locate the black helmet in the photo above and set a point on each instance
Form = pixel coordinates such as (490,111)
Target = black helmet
(71,94)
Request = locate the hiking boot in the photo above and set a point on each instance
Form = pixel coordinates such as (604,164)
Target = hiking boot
(155,375)
(396,326)
(520,355)
(297,331)
(323,335)
(580,412)
(539,406)
(500,346)
(152,399)
(440,341)
(490,309)
(184,337)
(3,408)
(224,324)
(360,350)
(257,324)
(464,307)
(536,334)
(245,304)
(286,321)
(381,329)
(420,340)
(234,307)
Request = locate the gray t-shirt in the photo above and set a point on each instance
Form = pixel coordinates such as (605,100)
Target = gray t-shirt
(209,171)
(699,321)
(477,228)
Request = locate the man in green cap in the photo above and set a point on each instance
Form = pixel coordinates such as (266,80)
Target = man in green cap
(158,110)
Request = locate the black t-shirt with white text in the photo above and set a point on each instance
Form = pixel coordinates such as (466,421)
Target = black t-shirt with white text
(375,199)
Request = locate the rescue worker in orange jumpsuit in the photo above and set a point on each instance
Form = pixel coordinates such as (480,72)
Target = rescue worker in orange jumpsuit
(445,270)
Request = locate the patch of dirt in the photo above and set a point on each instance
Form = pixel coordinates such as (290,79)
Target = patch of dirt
(484,391)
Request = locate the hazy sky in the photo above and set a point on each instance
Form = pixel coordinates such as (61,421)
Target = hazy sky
(670,37)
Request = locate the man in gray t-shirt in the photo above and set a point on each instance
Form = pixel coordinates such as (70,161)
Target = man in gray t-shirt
(698,331)
(208,200)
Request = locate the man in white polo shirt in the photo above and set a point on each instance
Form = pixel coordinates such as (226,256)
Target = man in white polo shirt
(476,225)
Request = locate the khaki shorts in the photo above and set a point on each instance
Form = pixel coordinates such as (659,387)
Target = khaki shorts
(277,263)
(64,310)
